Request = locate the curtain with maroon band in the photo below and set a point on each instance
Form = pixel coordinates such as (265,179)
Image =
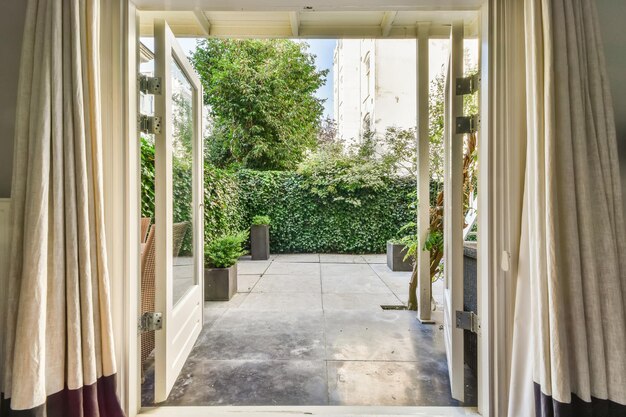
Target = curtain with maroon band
(571,298)
(59,351)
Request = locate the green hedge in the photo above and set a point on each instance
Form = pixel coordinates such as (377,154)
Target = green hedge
(302,220)
(223,213)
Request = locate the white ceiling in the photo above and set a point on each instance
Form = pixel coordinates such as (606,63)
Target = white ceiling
(307,23)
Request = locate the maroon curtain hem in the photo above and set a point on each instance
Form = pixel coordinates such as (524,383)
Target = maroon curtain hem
(95,400)
(546,406)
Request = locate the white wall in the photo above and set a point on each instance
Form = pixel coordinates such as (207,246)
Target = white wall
(347,86)
(11,28)
(387,96)
(612,14)
(395,84)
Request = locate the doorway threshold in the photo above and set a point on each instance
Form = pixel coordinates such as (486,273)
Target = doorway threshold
(289,411)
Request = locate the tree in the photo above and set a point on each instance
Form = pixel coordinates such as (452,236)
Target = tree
(260,94)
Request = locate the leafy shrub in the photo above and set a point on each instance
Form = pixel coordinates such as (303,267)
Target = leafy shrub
(335,174)
(224,251)
(261,220)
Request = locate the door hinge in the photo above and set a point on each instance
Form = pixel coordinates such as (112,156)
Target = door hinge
(150,85)
(150,321)
(467,85)
(467,124)
(149,124)
(467,320)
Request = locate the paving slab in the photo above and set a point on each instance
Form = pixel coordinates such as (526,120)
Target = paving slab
(382,270)
(389,383)
(284,302)
(245,283)
(240,382)
(349,301)
(288,284)
(375,258)
(263,335)
(341,258)
(390,335)
(335,270)
(252,267)
(354,285)
(234,302)
(293,268)
(298,257)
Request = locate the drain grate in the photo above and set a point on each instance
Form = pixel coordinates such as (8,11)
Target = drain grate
(393,307)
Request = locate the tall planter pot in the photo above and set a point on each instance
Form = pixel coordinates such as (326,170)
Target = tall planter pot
(220,284)
(395,258)
(260,242)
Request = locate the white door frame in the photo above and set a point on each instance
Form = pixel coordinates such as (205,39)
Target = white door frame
(122,194)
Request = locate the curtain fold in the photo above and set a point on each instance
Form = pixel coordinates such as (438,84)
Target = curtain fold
(573,236)
(59,346)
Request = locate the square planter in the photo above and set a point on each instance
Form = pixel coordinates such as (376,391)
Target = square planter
(260,242)
(395,258)
(220,284)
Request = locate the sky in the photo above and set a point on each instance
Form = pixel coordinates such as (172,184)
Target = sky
(324,49)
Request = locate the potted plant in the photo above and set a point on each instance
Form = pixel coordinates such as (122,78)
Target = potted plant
(220,273)
(396,256)
(260,238)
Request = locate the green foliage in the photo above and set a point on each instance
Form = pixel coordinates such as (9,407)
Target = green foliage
(224,251)
(222,211)
(261,220)
(337,175)
(147,177)
(305,221)
(260,93)
(434,240)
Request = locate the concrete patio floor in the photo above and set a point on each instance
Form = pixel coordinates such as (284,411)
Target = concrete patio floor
(308,329)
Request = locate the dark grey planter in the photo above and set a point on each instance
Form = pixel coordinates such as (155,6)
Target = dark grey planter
(220,284)
(260,242)
(395,258)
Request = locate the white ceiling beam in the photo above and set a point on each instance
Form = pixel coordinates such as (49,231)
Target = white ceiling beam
(203,22)
(294,20)
(387,23)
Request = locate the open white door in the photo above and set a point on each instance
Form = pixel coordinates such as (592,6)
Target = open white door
(453,219)
(179,227)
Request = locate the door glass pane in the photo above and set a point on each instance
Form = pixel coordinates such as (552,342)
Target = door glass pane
(184,275)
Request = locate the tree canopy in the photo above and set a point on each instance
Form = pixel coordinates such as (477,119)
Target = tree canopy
(260,93)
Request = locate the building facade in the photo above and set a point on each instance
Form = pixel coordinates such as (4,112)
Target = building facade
(374,86)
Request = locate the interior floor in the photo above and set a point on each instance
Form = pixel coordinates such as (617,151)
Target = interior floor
(309,329)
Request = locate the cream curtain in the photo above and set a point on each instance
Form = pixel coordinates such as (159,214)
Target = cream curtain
(572,295)
(59,345)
